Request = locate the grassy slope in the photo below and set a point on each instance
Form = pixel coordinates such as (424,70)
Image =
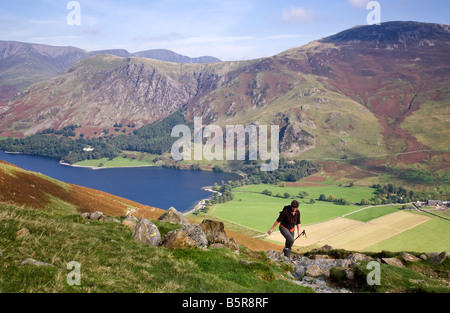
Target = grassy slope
(349,121)
(430,124)
(112,262)
(37,191)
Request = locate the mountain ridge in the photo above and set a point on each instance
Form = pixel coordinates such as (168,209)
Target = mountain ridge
(335,96)
(48,61)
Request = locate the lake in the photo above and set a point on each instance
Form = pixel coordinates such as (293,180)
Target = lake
(154,186)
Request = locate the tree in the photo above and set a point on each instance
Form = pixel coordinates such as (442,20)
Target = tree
(364,202)
(312,201)
(287,195)
(322,197)
(342,201)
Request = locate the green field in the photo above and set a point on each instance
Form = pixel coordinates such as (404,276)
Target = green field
(117,162)
(256,211)
(432,236)
(373,212)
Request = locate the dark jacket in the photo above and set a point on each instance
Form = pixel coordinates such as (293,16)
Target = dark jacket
(286,219)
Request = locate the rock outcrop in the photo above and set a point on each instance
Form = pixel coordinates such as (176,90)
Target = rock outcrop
(438,259)
(187,237)
(130,221)
(147,232)
(35,262)
(174,217)
(214,231)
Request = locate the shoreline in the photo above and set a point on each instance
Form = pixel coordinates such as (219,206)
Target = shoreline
(103,168)
(201,203)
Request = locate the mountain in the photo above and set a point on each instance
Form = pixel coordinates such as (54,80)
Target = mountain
(362,92)
(170,56)
(22,64)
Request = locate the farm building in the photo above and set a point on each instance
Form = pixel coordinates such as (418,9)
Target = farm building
(434,202)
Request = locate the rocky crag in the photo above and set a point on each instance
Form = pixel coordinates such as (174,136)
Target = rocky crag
(208,234)
(324,273)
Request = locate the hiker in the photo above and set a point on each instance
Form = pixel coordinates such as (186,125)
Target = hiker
(288,219)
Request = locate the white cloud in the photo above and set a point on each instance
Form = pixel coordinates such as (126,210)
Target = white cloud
(359,3)
(297,15)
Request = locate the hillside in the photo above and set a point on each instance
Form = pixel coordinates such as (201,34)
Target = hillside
(33,190)
(22,64)
(42,234)
(40,220)
(30,190)
(356,94)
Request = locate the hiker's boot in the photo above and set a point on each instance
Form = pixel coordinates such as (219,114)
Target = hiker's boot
(287,252)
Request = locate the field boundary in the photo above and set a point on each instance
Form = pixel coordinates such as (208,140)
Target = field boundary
(357,235)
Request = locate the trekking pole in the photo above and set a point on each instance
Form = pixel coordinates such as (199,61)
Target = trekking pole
(303,233)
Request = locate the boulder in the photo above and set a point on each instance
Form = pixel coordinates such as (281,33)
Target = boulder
(97,216)
(438,259)
(130,221)
(174,217)
(359,257)
(300,271)
(393,261)
(187,237)
(35,262)
(314,271)
(214,231)
(196,233)
(407,257)
(229,244)
(86,215)
(232,245)
(146,232)
(178,239)
(431,255)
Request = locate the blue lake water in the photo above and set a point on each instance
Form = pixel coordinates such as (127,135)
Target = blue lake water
(154,186)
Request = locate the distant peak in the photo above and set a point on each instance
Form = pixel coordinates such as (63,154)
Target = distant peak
(391,32)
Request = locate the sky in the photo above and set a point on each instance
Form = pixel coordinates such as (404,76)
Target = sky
(227,29)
